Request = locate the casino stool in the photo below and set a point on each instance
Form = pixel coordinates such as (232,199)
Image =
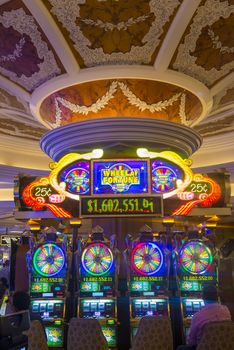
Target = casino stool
(36,336)
(218,335)
(85,334)
(154,333)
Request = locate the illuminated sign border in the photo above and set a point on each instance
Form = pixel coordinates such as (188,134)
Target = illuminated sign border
(122,160)
(130,196)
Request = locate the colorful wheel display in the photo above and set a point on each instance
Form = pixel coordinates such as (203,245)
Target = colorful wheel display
(48,259)
(77,181)
(195,257)
(97,259)
(164,179)
(146,258)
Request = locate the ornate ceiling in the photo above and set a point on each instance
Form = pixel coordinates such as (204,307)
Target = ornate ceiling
(64,61)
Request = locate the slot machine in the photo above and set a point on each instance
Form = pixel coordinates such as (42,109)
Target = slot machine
(48,288)
(97,286)
(148,282)
(195,268)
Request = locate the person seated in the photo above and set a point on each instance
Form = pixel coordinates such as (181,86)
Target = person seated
(5,271)
(4,282)
(212,311)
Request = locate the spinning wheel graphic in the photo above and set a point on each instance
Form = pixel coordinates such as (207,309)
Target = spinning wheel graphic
(97,259)
(195,257)
(146,258)
(48,259)
(77,180)
(164,179)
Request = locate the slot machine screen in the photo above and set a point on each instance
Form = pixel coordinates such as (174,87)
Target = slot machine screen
(49,271)
(97,271)
(148,270)
(54,336)
(196,266)
(110,335)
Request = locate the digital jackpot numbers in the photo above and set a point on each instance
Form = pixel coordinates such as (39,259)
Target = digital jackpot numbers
(121,206)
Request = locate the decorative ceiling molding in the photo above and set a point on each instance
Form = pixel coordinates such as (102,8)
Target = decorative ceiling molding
(118,32)
(222,84)
(8,100)
(111,72)
(27,153)
(216,125)
(174,34)
(121,98)
(60,45)
(14,89)
(152,134)
(27,58)
(206,49)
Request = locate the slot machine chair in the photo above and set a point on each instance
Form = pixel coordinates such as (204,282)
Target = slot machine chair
(154,333)
(217,335)
(85,334)
(36,336)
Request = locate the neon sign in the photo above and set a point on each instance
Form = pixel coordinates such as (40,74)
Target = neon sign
(166,174)
(120,177)
(203,191)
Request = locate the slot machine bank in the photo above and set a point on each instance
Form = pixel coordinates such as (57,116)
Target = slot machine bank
(196,267)
(148,280)
(48,287)
(97,285)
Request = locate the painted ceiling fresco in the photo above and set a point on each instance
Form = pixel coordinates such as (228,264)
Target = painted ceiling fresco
(121,98)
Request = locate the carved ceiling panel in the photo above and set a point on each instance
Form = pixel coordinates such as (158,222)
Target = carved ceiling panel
(26,56)
(113,32)
(206,50)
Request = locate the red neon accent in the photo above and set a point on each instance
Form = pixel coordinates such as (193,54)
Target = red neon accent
(206,200)
(37,203)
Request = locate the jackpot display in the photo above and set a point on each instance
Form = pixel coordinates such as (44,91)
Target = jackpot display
(196,268)
(148,282)
(48,289)
(121,206)
(97,288)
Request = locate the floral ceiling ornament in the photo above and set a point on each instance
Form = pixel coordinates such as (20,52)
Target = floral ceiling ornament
(19,22)
(16,53)
(217,44)
(132,99)
(211,21)
(131,40)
